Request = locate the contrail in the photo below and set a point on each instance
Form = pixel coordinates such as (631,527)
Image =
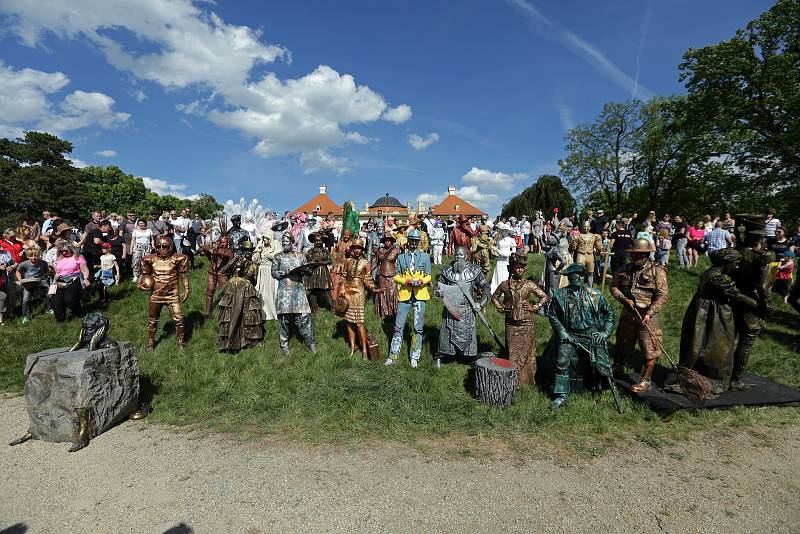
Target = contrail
(648,10)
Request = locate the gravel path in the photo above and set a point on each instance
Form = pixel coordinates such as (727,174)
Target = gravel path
(144,478)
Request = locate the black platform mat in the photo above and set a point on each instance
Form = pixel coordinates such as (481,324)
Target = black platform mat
(762,392)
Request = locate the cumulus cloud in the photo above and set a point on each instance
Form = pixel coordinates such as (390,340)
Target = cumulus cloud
(139,95)
(163,187)
(79,163)
(492,179)
(27,102)
(317,160)
(108,153)
(421,143)
(470,193)
(190,47)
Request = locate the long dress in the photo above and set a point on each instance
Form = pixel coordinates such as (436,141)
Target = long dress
(266,286)
(240,309)
(386,303)
(505,249)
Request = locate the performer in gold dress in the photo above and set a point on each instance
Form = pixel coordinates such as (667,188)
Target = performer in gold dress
(355,280)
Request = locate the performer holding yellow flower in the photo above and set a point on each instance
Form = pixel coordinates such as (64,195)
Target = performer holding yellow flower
(413,279)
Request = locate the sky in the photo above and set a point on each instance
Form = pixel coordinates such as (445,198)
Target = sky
(270,100)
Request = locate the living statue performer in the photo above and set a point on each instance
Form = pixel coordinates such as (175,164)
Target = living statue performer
(339,253)
(318,280)
(350,219)
(355,281)
(415,224)
(505,249)
(750,278)
(586,245)
(266,286)
(708,332)
(512,298)
(413,279)
(458,336)
(291,303)
(236,234)
(239,306)
(386,257)
(219,254)
(462,234)
(299,222)
(373,239)
(438,238)
(553,263)
(482,250)
(162,273)
(642,288)
(582,321)
(563,248)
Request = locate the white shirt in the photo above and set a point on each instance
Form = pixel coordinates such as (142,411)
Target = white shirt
(770,226)
(179,225)
(142,237)
(526,227)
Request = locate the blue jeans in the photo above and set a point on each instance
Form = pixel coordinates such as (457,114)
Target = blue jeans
(178,241)
(403,309)
(683,257)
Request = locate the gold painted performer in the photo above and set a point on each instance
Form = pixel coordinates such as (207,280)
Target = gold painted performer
(355,280)
(586,245)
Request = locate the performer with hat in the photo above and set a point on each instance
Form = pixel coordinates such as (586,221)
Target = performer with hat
(318,280)
(355,280)
(438,238)
(236,234)
(586,245)
(462,235)
(339,256)
(219,254)
(240,306)
(162,274)
(642,288)
(291,303)
(413,279)
(386,258)
(512,298)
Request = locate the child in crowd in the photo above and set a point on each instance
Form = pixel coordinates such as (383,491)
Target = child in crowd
(783,280)
(107,273)
(33,275)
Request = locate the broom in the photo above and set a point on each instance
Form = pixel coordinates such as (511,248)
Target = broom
(694,385)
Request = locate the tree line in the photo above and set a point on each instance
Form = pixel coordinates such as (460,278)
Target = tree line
(37,175)
(731,143)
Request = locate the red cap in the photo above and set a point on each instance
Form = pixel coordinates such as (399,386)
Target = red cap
(106,245)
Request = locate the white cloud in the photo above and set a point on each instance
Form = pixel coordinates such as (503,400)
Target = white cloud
(317,160)
(564,114)
(79,163)
(542,25)
(421,143)
(26,102)
(139,95)
(108,153)
(190,47)
(496,180)
(397,115)
(163,187)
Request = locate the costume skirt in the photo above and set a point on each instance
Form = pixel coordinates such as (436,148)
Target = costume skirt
(386,303)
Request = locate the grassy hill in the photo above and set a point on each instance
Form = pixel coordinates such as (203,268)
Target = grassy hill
(332,397)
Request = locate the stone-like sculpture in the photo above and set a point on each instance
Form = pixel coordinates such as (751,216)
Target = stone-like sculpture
(458,336)
(292,303)
(162,274)
(386,259)
(642,289)
(236,234)
(318,280)
(512,298)
(709,324)
(582,321)
(219,254)
(553,263)
(355,282)
(78,393)
(239,306)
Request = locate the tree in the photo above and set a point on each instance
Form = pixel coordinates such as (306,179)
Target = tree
(206,205)
(747,91)
(598,154)
(547,193)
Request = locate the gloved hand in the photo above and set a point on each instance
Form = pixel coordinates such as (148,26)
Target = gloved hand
(566,338)
(598,337)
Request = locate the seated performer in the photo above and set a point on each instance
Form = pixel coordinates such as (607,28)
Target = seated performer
(512,298)
(582,321)
(291,303)
(239,306)
(162,273)
(355,280)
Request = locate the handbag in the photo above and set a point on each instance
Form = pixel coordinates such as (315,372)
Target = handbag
(341,305)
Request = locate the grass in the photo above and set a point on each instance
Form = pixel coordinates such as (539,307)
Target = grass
(334,398)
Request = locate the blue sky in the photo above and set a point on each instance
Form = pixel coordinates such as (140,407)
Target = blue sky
(271,99)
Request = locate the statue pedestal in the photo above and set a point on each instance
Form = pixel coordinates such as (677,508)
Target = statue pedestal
(495,382)
(59,383)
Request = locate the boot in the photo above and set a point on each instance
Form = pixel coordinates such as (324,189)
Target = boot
(209,302)
(179,334)
(645,384)
(151,336)
(619,367)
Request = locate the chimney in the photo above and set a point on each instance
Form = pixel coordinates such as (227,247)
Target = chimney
(323,190)
(421,208)
(451,190)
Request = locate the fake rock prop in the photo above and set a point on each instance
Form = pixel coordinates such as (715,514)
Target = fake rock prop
(495,382)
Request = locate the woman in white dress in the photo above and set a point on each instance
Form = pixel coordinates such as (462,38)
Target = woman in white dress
(506,247)
(266,285)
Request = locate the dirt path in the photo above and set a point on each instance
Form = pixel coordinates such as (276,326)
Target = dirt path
(144,478)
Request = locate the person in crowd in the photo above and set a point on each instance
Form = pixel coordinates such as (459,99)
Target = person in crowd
(663,246)
(12,245)
(526,228)
(92,244)
(718,238)
(24,235)
(771,225)
(728,223)
(196,224)
(505,248)
(114,220)
(709,222)
(93,224)
(33,277)
(621,241)
(107,273)
(537,232)
(680,238)
(180,225)
(72,273)
(783,279)
(156,225)
(780,244)
(33,228)
(119,246)
(694,246)
(6,284)
(204,238)
(47,222)
(599,223)
(142,243)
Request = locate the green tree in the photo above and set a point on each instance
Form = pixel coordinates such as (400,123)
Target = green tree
(547,193)
(206,205)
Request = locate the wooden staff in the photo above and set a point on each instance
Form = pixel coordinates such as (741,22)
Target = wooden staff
(605,254)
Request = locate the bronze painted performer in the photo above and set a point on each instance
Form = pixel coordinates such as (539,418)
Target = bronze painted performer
(582,321)
(642,289)
(339,254)
(356,279)
(162,274)
(219,255)
(318,281)
(482,250)
(586,245)
(512,298)
(240,306)
(386,258)
(291,303)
